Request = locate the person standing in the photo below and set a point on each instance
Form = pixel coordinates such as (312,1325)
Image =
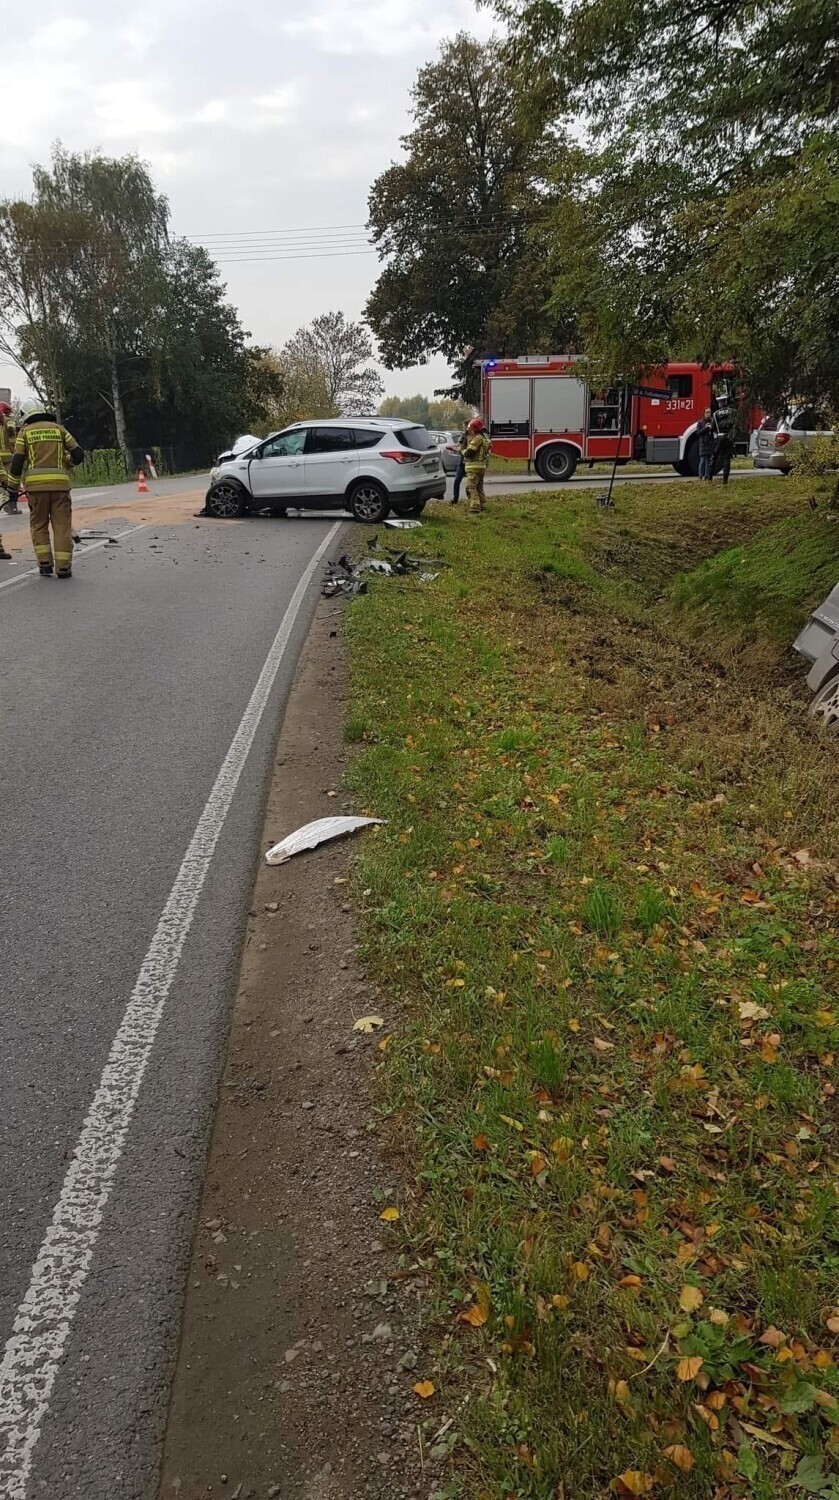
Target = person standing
(8,432)
(460,471)
(475,460)
(43,453)
(707,439)
(724,419)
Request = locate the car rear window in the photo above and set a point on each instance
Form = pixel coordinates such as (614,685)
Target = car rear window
(364,438)
(418,438)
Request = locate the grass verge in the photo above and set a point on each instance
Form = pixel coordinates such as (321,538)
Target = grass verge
(606,903)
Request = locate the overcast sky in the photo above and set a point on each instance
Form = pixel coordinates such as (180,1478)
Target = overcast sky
(258,120)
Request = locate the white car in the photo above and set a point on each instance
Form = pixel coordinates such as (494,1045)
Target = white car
(367,465)
(801,424)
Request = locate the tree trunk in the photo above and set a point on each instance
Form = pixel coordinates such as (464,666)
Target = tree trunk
(119,413)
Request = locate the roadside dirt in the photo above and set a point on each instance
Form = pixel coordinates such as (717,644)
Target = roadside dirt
(299,1346)
(160,510)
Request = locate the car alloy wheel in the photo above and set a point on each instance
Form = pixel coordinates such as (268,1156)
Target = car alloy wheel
(825,706)
(369,503)
(225,501)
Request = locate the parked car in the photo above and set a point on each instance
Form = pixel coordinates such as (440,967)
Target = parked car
(448,443)
(368,466)
(818,643)
(801,424)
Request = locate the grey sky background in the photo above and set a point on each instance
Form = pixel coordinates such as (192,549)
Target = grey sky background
(258,121)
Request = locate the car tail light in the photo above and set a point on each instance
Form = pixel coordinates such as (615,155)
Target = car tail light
(451,448)
(401,455)
(781,439)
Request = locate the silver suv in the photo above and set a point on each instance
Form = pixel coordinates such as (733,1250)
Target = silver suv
(801,424)
(368,466)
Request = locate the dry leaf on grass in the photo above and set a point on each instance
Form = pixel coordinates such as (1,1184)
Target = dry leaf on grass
(688,1369)
(390,1216)
(681,1456)
(633,1482)
(478,1314)
(691,1299)
(424,1389)
(368,1024)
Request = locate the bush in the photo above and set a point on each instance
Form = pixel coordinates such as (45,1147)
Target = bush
(101,466)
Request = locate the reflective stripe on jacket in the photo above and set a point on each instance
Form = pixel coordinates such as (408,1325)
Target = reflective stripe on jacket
(42,452)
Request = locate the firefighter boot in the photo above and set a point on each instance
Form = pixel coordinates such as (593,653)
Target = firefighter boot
(4,555)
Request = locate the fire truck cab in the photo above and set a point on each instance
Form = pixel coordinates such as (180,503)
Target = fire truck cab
(539,408)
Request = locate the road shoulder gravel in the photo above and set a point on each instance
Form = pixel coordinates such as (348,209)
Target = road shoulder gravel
(298,1349)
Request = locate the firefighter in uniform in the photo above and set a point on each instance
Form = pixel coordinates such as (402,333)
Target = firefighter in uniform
(8,432)
(7,439)
(44,452)
(475,458)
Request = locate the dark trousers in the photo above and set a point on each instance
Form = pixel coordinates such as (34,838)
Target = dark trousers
(722,463)
(459,478)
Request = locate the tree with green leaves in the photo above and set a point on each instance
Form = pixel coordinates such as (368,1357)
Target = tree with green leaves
(329,360)
(465,275)
(113,284)
(444,414)
(703,208)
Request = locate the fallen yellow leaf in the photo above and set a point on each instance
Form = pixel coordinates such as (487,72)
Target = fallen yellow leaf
(390,1216)
(681,1456)
(580,1270)
(691,1299)
(474,1316)
(424,1389)
(603,1046)
(688,1369)
(633,1482)
(478,1314)
(718,1317)
(368,1024)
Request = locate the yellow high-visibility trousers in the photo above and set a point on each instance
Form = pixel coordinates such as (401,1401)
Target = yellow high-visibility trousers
(52,508)
(475,487)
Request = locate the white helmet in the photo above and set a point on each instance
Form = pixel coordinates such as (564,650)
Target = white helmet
(31,408)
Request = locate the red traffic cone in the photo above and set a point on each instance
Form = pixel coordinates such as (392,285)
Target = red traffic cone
(142,487)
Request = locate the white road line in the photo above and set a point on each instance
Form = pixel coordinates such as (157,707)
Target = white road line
(34,1352)
(80,551)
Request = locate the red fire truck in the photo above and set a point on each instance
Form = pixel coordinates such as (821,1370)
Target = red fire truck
(537,407)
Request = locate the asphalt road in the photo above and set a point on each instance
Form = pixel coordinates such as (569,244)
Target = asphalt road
(123,692)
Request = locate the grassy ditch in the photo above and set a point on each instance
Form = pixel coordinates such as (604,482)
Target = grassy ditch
(605,903)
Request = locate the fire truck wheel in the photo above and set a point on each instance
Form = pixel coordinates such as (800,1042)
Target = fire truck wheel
(682,468)
(556,463)
(691,458)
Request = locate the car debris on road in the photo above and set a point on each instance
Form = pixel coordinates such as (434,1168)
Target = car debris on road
(312,834)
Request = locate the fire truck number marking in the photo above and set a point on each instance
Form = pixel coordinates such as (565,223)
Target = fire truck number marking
(682,404)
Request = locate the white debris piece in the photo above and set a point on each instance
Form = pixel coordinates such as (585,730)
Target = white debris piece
(312,834)
(402,523)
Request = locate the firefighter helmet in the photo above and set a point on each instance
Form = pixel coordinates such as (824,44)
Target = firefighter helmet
(477,425)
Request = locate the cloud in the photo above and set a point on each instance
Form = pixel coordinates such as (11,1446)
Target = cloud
(57,34)
(384,28)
